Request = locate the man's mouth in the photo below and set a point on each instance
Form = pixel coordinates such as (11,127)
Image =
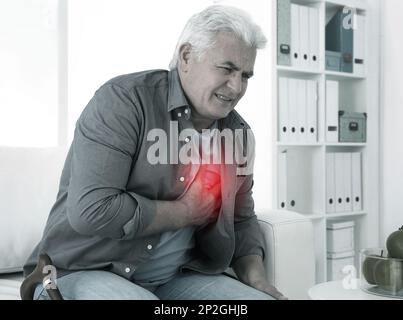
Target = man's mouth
(223,97)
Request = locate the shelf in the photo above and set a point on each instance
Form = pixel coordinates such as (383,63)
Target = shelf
(293,70)
(358,4)
(315,216)
(345,214)
(320,144)
(318,216)
(343,144)
(295,144)
(331,74)
(343,75)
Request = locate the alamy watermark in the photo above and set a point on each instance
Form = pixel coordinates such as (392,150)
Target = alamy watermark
(350,281)
(211,146)
(50,280)
(350,21)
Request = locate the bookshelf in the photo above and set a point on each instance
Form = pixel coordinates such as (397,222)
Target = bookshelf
(300,167)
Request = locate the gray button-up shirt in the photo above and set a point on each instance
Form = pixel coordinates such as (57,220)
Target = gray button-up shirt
(108,186)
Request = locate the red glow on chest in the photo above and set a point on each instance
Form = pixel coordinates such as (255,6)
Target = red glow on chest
(210,175)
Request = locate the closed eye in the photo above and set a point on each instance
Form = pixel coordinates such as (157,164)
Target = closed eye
(226,69)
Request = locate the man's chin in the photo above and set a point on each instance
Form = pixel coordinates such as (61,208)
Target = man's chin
(218,117)
(223,113)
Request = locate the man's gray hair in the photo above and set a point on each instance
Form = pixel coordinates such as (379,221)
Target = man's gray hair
(202,28)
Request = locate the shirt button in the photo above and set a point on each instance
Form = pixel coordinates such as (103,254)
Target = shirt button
(181,179)
(179,114)
(187,139)
(149,247)
(127,270)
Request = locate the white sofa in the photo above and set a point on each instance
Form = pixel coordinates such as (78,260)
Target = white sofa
(28,184)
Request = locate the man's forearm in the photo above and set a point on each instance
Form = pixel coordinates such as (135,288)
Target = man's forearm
(250,270)
(170,215)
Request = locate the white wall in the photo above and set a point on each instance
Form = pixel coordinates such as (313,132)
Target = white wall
(112,37)
(29,73)
(391,119)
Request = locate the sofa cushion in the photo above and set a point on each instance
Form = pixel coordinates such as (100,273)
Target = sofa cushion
(10,286)
(29,179)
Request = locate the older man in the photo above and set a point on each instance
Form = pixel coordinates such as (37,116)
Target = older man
(133,219)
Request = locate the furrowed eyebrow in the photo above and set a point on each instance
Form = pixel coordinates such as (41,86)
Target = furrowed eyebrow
(236,68)
(232,65)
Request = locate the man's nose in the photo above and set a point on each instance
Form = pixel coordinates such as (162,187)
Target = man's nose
(235,83)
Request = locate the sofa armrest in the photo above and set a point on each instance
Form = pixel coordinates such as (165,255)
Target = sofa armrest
(290,253)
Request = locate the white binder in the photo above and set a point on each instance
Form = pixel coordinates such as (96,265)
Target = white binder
(296,189)
(330,183)
(292,109)
(304,36)
(282,181)
(339,181)
(332,111)
(348,207)
(356,181)
(295,37)
(283,32)
(301,111)
(314,38)
(283,113)
(311,111)
(359,45)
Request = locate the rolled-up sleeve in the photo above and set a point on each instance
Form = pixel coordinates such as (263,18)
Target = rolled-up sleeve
(248,236)
(105,141)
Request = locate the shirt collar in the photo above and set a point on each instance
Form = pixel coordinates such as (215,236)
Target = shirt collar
(232,121)
(176,96)
(177,99)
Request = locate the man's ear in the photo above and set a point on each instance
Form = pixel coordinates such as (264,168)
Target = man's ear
(184,56)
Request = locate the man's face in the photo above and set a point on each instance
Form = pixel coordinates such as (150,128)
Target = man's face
(215,83)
